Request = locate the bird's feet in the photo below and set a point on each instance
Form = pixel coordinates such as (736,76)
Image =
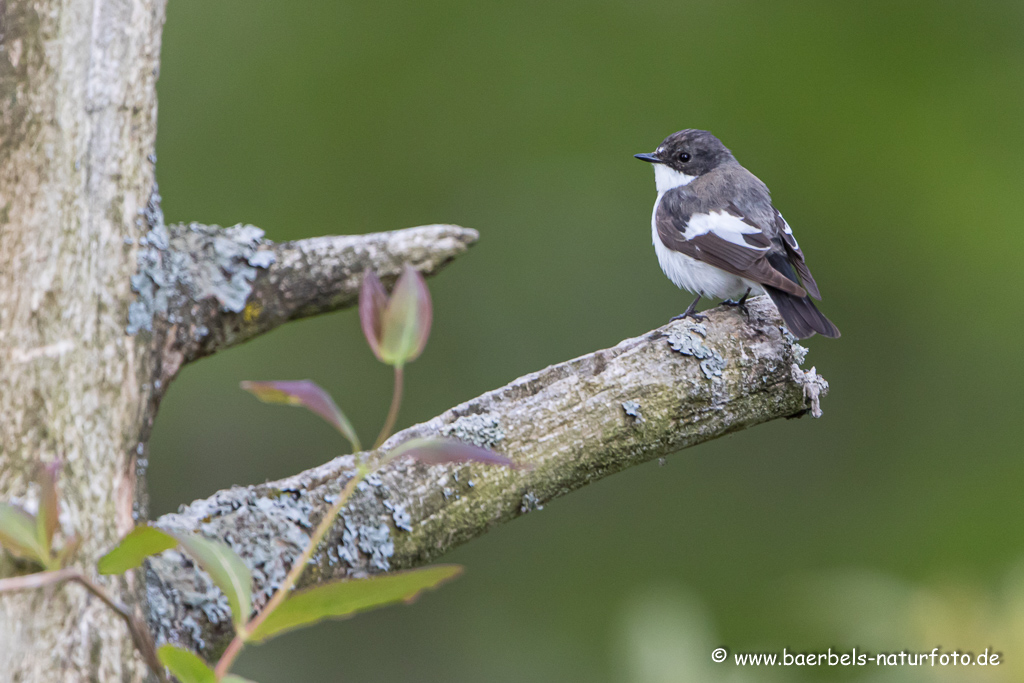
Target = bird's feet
(691,312)
(699,317)
(742,303)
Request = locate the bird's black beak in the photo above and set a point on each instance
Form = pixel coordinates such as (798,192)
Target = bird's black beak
(648,157)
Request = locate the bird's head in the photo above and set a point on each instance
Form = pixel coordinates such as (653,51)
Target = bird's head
(688,154)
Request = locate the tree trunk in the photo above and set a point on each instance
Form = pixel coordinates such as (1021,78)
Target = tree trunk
(78,112)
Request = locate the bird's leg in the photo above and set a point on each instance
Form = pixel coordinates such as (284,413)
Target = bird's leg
(691,312)
(741,302)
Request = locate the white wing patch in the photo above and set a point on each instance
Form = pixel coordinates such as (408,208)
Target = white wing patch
(697,277)
(789,231)
(724,225)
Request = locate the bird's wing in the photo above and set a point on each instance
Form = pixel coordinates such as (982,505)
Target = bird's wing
(727,239)
(796,257)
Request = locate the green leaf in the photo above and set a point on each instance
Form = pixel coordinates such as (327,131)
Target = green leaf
(345,598)
(187,666)
(232,678)
(406,323)
(140,543)
(226,569)
(18,534)
(308,394)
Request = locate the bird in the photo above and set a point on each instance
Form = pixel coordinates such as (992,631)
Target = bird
(717,234)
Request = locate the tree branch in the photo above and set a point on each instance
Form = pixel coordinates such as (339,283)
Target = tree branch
(574,423)
(212,288)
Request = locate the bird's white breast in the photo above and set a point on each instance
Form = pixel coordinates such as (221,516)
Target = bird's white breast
(689,273)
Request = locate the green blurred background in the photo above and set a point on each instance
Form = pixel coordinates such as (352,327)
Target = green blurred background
(891,135)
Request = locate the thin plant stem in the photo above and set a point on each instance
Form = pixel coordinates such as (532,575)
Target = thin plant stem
(396,402)
(36,580)
(234,649)
(140,634)
(238,642)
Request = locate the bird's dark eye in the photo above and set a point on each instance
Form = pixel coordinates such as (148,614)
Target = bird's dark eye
(684,157)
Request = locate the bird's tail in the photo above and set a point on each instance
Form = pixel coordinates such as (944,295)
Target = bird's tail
(802,318)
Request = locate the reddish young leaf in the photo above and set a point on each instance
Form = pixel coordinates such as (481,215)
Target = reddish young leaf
(307,394)
(424,309)
(49,506)
(373,301)
(439,451)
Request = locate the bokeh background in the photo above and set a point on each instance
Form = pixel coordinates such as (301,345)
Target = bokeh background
(891,136)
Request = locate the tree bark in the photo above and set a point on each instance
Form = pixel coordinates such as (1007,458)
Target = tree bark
(78,112)
(101,304)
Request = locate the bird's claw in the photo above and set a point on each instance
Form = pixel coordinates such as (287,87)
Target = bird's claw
(742,303)
(691,312)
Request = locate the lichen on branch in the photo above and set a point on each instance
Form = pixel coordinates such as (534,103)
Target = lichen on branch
(209,288)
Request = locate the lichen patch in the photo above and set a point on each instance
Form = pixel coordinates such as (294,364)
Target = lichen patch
(689,341)
(181,264)
(632,409)
(482,430)
(814,386)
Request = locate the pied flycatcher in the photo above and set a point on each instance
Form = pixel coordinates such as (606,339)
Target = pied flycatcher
(717,234)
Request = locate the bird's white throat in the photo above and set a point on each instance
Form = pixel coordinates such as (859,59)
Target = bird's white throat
(667,178)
